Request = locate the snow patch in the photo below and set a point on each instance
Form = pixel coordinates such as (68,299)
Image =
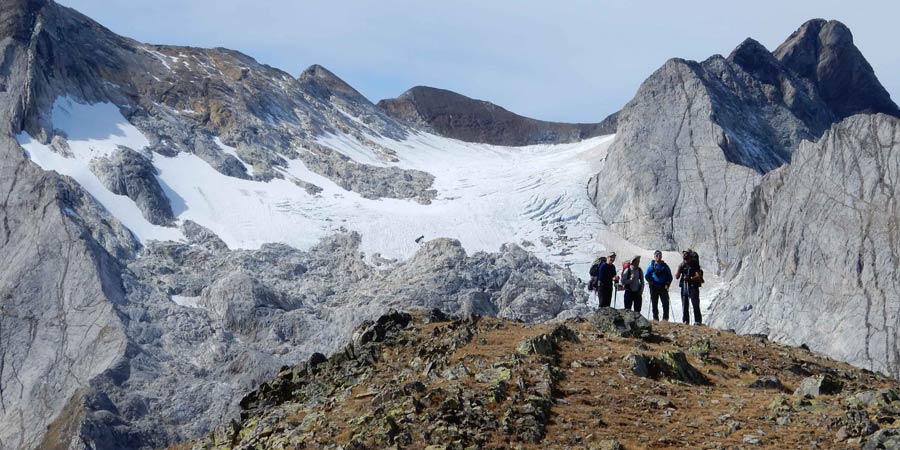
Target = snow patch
(93,131)
(190,302)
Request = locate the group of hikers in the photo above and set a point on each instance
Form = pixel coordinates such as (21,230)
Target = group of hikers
(606,280)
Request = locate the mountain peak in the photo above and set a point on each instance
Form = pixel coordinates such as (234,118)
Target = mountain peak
(823,52)
(325,82)
(756,59)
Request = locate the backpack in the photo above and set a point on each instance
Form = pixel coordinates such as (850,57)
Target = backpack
(627,274)
(595,270)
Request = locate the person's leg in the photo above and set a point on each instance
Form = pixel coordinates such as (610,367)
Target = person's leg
(627,299)
(654,300)
(695,300)
(605,293)
(637,301)
(685,306)
(664,297)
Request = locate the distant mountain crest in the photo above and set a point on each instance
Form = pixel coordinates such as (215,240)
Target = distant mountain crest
(457,116)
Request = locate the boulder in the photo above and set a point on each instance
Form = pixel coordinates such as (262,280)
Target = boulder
(768,382)
(674,365)
(819,385)
(621,323)
(886,439)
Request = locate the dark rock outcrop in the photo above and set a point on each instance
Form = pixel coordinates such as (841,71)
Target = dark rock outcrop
(127,172)
(457,116)
(823,53)
(623,323)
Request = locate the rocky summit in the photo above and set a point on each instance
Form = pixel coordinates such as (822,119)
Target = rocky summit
(431,381)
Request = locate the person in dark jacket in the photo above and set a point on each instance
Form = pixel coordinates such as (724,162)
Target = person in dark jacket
(659,277)
(690,277)
(606,281)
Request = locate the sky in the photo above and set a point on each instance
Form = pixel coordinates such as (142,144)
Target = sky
(567,60)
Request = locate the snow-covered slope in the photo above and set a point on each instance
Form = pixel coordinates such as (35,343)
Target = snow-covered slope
(487,195)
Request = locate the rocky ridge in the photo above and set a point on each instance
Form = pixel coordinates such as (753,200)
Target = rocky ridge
(457,116)
(438,382)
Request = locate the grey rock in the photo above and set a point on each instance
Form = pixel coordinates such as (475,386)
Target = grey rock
(621,323)
(886,439)
(607,444)
(767,382)
(874,398)
(819,385)
(674,365)
(638,364)
(200,235)
(127,172)
(857,423)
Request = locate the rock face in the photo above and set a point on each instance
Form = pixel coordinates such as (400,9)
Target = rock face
(457,116)
(829,267)
(693,144)
(127,172)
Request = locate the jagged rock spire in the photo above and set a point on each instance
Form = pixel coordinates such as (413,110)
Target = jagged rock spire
(824,53)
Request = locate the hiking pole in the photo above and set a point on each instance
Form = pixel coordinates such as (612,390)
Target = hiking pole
(615,294)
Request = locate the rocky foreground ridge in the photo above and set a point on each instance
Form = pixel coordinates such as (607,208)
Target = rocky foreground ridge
(612,381)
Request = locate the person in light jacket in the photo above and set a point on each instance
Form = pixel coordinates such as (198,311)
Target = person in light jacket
(633,280)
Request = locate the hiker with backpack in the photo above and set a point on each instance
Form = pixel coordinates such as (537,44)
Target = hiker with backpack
(633,280)
(690,277)
(595,275)
(606,280)
(659,277)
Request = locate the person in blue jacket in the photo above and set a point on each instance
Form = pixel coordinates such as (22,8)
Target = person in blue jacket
(659,277)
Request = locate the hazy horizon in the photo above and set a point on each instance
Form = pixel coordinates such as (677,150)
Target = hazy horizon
(576,62)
